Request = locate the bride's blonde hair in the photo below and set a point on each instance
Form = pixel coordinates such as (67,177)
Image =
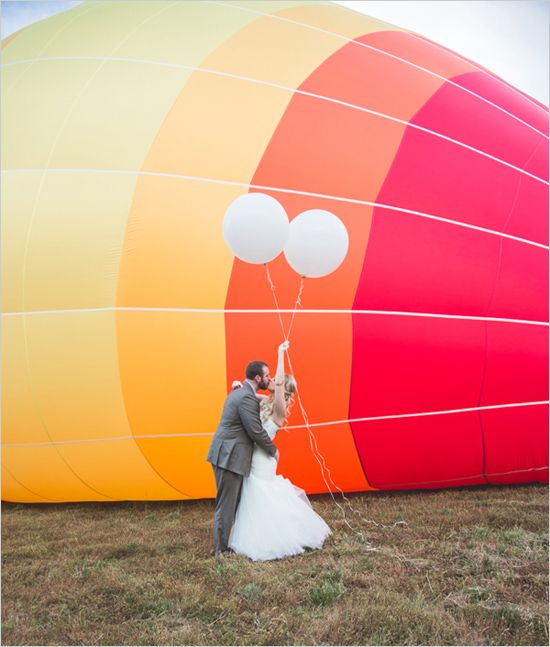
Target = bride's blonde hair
(266,408)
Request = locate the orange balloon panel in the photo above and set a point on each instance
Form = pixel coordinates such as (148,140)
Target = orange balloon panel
(128,130)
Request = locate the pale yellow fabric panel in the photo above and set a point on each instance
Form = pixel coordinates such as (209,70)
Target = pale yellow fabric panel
(89,29)
(189,32)
(17,199)
(75,388)
(62,239)
(336,19)
(104,114)
(270,6)
(285,53)
(218,128)
(304,49)
(86,114)
(34,40)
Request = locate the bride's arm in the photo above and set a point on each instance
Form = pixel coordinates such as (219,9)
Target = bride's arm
(279,404)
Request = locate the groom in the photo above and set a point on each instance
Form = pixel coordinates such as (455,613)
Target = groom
(231,449)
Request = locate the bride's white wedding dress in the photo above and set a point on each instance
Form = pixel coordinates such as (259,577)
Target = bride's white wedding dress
(274,518)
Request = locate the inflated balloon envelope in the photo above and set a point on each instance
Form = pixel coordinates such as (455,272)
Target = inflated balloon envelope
(128,130)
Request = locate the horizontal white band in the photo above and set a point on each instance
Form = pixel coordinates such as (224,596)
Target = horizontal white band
(294,91)
(274,311)
(461,478)
(421,415)
(399,58)
(315,424)
(323,196)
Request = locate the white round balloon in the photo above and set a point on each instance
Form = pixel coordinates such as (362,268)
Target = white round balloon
(317,243)
(255,227)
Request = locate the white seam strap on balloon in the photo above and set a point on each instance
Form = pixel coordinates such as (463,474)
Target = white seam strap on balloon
(312,95)
(311,424)
(421,415)
(323,196)
(103,440)
(462,478)
(405,61)
(271,311)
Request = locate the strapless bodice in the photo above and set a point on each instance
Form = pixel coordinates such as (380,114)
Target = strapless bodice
(271,428)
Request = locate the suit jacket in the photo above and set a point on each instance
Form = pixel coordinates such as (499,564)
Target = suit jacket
(239,429)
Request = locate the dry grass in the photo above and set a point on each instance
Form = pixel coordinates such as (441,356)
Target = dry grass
(462,566)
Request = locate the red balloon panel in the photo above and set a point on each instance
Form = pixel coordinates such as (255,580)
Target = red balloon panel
(528,215)
(497,91)
(437,177)
(404,364)
(420,265)
(517,364)
(465,118)
(521,289)
(516,444)
(427,452)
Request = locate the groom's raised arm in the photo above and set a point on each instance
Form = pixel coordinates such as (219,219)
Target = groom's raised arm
(248,413)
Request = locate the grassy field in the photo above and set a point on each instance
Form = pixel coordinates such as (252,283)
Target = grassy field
(465,566)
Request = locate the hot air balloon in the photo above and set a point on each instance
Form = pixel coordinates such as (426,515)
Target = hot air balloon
(129,128)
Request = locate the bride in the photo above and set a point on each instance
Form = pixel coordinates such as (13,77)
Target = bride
(274,518)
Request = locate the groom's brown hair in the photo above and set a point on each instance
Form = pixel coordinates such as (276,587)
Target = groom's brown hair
(255,368)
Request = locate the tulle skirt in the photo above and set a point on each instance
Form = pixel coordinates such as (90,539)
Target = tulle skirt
(274,518)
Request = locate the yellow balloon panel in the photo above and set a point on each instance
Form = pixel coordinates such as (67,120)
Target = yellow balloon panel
(172,371)
(180,259)
(334,19)
(289,65)
(18,492)
(21,419)
(217,128)
(64,251)
(18,198)
(119,469)
(74,392)
(33,146)
(181,462)
(44,470)
(92,28)
(91,114)
(33,41)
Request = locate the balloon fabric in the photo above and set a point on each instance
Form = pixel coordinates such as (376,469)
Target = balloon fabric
(136,133)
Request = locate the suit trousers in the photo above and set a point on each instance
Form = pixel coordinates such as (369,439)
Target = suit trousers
(228,494)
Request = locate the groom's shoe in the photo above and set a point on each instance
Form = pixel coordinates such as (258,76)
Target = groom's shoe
(220,553)
(224,553)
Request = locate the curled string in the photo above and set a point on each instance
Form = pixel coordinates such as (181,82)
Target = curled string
(312,438)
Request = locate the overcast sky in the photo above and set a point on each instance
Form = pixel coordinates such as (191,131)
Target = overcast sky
(508,37)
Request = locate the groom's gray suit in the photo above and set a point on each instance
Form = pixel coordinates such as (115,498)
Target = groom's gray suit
(230,453)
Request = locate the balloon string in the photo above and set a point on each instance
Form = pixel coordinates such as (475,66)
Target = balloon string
(275,299)
(311,436)
(296,305)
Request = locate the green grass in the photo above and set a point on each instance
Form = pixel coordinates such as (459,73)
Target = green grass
(465,566)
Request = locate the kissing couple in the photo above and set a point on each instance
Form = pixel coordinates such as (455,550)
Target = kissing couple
(259,513)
